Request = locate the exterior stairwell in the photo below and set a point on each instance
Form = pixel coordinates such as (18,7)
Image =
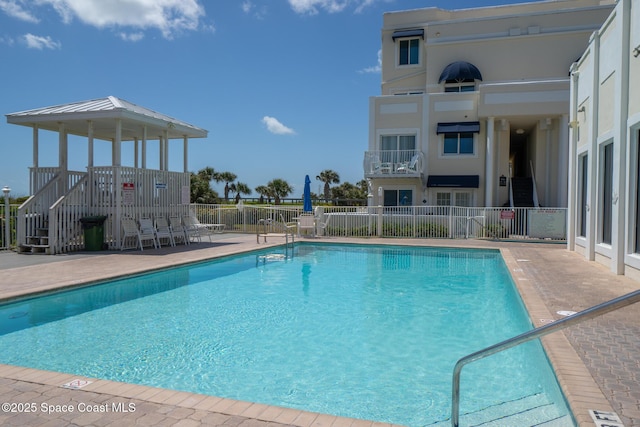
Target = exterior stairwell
(522,192)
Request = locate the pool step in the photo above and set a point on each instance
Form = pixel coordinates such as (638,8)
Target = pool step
(529,411)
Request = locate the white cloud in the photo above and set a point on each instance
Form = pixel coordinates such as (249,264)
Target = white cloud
(167,16)
(14,9)
(39,42)
(247,6)
(274,126)
(131,37)
(376,68)
(312,7)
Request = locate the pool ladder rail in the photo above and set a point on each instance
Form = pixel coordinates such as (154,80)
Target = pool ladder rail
(582,316)
(284,229)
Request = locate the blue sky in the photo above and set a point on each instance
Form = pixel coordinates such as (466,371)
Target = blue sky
(282,86)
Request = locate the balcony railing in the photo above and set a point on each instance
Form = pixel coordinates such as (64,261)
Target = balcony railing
(393,163)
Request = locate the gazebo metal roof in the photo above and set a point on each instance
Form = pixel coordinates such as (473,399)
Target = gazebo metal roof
(102,112)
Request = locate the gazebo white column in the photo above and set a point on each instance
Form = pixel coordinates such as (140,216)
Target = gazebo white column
(489,164)
(143,165)
(62,158)
(165,150)
(117,181)
(185,150)
(135,153)
(90,144)
(35,146)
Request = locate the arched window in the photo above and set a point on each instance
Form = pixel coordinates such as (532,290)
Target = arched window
(460,76)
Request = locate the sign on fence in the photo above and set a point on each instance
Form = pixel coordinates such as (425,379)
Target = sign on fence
(547,223)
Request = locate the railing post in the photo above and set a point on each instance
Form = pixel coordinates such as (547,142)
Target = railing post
(380,221)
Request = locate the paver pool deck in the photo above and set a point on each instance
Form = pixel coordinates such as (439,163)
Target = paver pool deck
(597,362)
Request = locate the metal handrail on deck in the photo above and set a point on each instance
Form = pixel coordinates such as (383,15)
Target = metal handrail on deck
(590,313)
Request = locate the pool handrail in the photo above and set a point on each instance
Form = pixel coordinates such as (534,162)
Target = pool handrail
(588,314)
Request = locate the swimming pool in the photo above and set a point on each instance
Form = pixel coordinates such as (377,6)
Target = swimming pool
(357,331)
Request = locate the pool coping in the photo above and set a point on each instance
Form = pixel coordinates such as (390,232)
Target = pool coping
(578,385)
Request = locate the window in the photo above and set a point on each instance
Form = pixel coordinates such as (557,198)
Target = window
(454,198)
(458,143)
(460,87)
(398,197)
(606,199)
(409,53)
(583,169)
(397,148)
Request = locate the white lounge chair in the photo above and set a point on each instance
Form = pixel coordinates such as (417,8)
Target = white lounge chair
(131,231)
(306,222)
(163,231)
(197,229)
(146,227)
(178,230)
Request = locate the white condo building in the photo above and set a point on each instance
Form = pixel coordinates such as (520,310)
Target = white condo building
(475,104)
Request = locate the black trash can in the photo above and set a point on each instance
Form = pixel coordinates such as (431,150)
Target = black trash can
(93,227)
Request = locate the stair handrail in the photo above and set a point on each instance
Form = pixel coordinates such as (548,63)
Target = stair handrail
(536,202)
(27,221)
(64,217)
(588,314)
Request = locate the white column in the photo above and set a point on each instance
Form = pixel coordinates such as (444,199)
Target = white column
(185,155)
(165,149)
(489,163)
(563,159)
(117,144)
(592,118)
(160,152)
(547,161)
(135,152)
(62,158)
(143,165)
(572,170)
(90,144)
(62,147)
(620,215)
(35,146)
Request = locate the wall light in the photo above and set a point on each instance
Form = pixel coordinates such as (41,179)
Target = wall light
(582,109)
(520,131)
(636,51)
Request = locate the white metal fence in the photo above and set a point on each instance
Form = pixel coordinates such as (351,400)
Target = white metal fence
(440,222)
(435,222)
(8,240)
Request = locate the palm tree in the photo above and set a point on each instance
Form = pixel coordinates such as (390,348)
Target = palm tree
(279,188)
(263,191)
(328,177)
(227,178)
(201,191)
(239,188)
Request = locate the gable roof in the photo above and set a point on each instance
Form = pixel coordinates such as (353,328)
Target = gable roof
(102,113)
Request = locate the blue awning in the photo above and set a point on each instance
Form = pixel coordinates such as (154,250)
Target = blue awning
(460,71)
(407,33)
(465,181)
(458,127)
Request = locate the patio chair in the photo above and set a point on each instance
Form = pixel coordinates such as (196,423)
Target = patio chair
(408,167)
(147,227)
(178,230)
(130,230)
(306,222)
(322,220)
(196,229)
(163,231)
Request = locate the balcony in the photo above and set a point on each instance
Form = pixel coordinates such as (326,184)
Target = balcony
(393,163)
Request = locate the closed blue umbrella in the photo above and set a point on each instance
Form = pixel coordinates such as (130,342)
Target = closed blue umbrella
(307,195)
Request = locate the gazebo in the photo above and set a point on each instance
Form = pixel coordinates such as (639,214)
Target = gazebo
(49,221)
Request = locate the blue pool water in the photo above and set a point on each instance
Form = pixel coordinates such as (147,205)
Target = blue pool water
(359,331)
